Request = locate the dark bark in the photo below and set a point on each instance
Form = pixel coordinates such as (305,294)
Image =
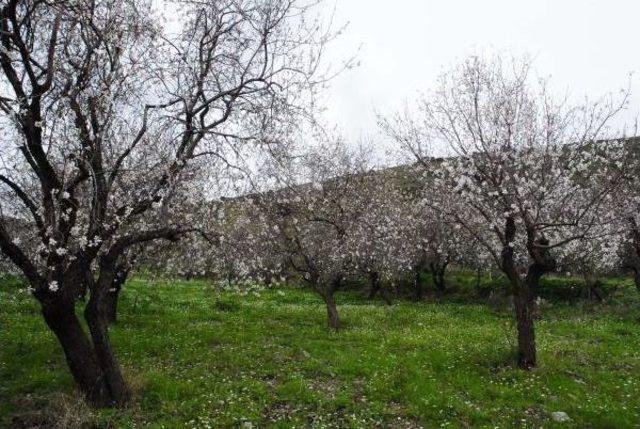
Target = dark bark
(90,357)
(524,290)
(633,253)
(417,284)
(525,309)
(636,276)
(268,280)
(111,304)
(386,297)
(85,285)
(98,326)
(97,317)
(592,287)
(374,284)
(332,311)
(327,292)
(112,296)
(61,318)
(438,271)
(375,288)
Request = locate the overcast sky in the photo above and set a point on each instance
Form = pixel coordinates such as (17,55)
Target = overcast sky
(587,47)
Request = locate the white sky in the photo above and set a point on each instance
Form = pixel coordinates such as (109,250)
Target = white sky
(586,47)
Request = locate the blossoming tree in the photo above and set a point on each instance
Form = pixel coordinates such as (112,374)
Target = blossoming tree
(103,115)
(532,173)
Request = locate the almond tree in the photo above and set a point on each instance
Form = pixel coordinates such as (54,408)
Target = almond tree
(103,115)
(594,258)
(532,173)
(320,197)
(627,204)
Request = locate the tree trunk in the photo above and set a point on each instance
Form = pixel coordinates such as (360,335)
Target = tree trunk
(374,284)
(591,287)
(113,294)
(523,298)
(438,275)
(386,297)
(543,262)
(524,307)
(95,313)
(98,326)
(633,252)
(85,285)
(417,284)
(81,358)
(332,312)
(111,304)
(636,276)
(376,287)
(268,279)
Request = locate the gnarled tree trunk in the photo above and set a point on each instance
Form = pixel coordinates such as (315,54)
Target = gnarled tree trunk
(90,357)
(81,358)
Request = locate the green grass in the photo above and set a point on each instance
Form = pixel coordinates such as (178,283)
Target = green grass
(201,358)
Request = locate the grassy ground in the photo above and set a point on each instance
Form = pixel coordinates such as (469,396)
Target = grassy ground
(200,358)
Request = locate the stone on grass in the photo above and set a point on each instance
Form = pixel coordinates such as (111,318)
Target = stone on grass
(560,416)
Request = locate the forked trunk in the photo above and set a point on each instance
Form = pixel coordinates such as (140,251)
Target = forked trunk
(90,358)
(523,293)
(78,350)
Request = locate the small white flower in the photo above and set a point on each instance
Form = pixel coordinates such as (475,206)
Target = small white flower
(53,286)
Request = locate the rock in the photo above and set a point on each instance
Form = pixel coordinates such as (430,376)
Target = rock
(560,416)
